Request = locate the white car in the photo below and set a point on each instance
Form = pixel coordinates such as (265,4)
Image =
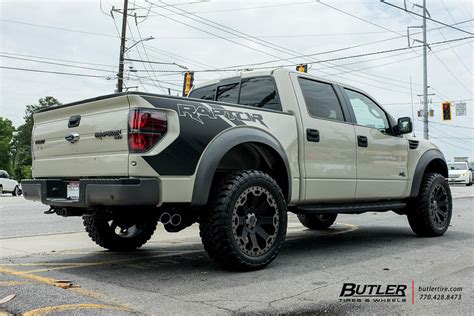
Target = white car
(459,172)
(8,184)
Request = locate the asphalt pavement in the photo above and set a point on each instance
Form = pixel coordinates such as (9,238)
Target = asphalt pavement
(51,266)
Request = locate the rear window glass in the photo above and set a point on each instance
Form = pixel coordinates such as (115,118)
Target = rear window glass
(321,100)
(259,92)
(204,93)
(228,93)
(457,166)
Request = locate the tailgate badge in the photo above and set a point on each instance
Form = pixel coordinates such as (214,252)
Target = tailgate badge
(72,137)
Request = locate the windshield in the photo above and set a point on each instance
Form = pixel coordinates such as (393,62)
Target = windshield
(457,166)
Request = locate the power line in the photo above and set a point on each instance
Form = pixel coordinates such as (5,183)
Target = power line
(58,28)
(427,17)
(322,61)
(207,32)
(53,63)
(259,41)
(155,62)
(56,59)
(455,126)
(451,73)
(248,8)
(456,54)
(54,72)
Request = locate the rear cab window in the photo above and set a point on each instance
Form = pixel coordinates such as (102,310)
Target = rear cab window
(260,92)
(204,93)
(321,100)
(228,93)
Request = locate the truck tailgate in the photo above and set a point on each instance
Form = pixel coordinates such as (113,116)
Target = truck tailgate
(96,147)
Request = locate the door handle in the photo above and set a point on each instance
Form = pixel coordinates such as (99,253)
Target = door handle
(74,121)
(362,141)
(312,135)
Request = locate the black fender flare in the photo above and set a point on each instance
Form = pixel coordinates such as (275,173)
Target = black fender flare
(216,150)
(423,162)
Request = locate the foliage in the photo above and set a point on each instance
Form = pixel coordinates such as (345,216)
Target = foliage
(6,134)
(21,145)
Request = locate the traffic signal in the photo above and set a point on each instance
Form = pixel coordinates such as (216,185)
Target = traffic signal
(188,82)
(446,108)
(302,68)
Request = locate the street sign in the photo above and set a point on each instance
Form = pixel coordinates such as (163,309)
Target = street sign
(461,109)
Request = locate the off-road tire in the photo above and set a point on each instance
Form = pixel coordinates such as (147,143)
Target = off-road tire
(16,191)
(101,232)
(221,222)
(317,221)
(427,218)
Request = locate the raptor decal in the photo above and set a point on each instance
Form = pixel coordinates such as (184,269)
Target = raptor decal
(197,112)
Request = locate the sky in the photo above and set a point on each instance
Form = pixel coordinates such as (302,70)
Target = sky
(85,34)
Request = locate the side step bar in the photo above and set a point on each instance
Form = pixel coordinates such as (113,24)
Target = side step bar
(351,208)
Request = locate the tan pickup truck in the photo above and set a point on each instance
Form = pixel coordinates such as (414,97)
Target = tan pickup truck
(235,157)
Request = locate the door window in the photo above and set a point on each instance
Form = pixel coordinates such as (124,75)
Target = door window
(367,112)
(204,93)
(228,93)
(259,92)
(321,99)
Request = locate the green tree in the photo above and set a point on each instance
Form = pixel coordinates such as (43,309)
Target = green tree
(21,146)
(6,134)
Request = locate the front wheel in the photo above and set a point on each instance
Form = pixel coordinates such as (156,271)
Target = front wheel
(16,191)
(430,214)
(245,226)
(317,221)
(120,234)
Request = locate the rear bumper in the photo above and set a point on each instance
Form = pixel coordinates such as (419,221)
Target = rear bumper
(94,192)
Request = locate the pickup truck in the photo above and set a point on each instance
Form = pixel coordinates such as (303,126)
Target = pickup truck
(235,157)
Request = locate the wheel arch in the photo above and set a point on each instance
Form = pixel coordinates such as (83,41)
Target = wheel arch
(241,148)
(431,161)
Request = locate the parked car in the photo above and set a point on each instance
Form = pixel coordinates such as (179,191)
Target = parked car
(235,157)
(8,184)
(460,172)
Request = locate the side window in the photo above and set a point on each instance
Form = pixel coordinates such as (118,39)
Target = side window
(204,93)
(321,99)
(259,92)
(228,93)
(367,112)
(3,174)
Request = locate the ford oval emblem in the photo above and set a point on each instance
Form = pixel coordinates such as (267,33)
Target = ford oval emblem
(72,137)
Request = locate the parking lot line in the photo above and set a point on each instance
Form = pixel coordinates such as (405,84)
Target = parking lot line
(49,281)
(70,307)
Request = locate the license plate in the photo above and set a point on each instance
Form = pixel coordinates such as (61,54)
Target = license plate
(73,191)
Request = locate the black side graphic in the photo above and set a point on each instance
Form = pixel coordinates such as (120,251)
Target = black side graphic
(182,156)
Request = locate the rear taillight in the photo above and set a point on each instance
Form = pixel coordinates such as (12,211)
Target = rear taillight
(145,129)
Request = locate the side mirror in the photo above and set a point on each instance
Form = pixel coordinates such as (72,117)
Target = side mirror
(404,125)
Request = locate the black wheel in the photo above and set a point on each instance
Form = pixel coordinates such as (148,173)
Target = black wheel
(16,191)
(119,234)
(470,182)
(246,223)
(317,221)
(430,214)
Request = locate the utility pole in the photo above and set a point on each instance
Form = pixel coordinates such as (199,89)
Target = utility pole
(425,77)
(122,46)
